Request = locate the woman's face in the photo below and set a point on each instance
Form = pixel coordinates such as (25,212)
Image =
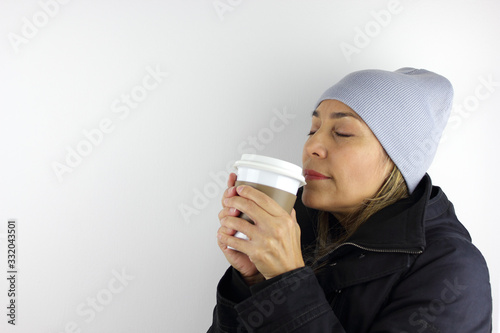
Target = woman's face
(343,162)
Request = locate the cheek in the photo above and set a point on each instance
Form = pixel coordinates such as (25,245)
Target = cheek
(372,169)
(365,167)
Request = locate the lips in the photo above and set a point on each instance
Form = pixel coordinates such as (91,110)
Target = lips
(314,175)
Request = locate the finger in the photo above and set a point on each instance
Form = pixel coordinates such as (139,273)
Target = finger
(224,231)
(228,211)
(261,199)
(297,226)
(221,245)
(231,180)
(247,206)
(227,231)
(239,224)
(236,243)
(228,193)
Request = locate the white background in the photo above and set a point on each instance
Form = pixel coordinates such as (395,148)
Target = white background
(232,67)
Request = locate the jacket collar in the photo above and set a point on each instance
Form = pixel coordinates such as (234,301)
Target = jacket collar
(399,226)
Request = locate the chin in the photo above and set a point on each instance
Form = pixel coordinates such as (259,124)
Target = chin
(312,199)
(320,200)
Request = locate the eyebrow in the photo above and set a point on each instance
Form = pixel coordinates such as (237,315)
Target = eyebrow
(337,115)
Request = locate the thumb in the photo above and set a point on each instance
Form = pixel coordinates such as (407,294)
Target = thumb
(293,214)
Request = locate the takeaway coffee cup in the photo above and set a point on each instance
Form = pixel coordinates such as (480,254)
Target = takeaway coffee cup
(278,179)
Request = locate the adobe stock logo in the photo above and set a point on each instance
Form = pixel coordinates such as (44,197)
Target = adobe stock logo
(94,137)
(470,104)
(486,87)
(263,306)
(373,28)
(226,6)
(251,145)
(30,28)
(424,317)
(93,305)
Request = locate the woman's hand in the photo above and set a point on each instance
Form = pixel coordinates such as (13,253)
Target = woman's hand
(238,260)
(274,240)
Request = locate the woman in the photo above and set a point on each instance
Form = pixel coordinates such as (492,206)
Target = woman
(372,245)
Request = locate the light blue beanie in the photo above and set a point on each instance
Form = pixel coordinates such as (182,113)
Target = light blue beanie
(407,110)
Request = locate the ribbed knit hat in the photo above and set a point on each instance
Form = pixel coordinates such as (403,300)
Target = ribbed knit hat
(407,110)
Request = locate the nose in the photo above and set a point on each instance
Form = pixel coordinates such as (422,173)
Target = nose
(314,146)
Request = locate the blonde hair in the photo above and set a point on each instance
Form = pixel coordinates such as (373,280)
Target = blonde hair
(393,189)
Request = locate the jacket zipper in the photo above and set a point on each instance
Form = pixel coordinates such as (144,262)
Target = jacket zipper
(378,250)
(373,250)
(337,292)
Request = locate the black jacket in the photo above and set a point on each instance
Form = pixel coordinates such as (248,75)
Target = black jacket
(410,268)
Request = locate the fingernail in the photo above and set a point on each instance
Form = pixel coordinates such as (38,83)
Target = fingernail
(226,201)
(239,188)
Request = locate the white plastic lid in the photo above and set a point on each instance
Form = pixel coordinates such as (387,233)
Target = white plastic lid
(272,165)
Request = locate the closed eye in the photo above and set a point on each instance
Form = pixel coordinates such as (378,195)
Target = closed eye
(343,135)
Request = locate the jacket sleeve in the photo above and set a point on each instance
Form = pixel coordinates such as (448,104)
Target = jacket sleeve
(291,302)
(230,290)
(447,290)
